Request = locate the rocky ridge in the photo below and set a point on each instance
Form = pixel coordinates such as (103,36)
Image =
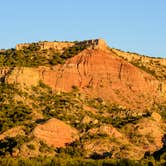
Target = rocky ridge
(96,71)
(60,46)
(58,96)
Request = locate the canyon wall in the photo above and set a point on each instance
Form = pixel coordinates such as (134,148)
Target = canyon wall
(97,73)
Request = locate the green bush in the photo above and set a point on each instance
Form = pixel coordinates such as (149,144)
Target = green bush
(12,112)
(31,146)
(61,161)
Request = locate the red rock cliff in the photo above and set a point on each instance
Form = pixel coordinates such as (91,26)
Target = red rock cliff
(96,71)
(103,74)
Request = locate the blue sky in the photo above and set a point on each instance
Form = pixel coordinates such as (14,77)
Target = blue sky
(130,25)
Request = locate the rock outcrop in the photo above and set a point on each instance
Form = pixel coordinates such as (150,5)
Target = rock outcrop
(94,44)
(103,74)
(156,116)
(130,56)
(47,45)
(98,73)
(155,66)
(13,132)
(23,76)
(55,133)
(60,46)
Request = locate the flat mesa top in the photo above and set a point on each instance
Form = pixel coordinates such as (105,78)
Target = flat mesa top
(94,43)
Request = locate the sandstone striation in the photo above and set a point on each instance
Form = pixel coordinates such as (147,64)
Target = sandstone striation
(103,74)
(96,71)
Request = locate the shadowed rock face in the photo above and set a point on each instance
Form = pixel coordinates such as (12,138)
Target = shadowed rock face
(94,44)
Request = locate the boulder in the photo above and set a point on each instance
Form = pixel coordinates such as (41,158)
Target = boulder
(55,133)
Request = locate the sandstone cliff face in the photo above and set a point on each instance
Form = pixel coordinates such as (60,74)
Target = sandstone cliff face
(24,76)
(103,74)
(98,73)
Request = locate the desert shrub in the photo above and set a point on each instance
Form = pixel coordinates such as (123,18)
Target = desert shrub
(8,144)
(66,160)
(44,147)
(71,51)
(31,146)
(12,112)
(118,116)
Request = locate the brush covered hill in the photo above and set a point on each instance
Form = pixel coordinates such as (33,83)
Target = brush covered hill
(79,102)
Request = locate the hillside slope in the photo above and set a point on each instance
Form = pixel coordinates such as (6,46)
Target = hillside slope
(83,100)
(98,73)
